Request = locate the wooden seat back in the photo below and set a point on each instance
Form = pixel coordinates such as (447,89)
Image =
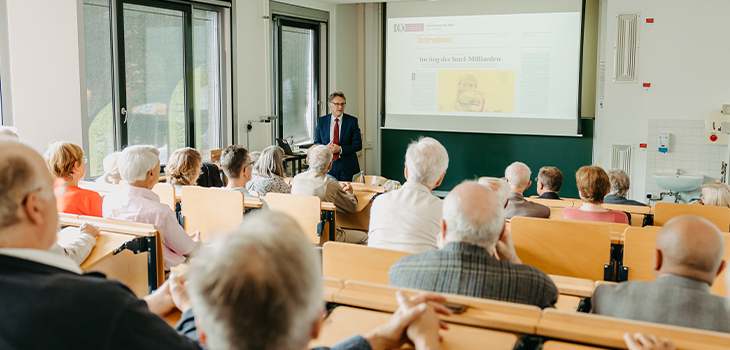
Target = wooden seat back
(563,248)
(215,155)
(356,262)
(637,212)
(166,193)
(551,203)
(608,331)
(211,210)
(305,210)
(639,250)
(720,216)
(615,227)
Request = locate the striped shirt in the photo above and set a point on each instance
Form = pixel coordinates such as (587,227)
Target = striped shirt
(467,269)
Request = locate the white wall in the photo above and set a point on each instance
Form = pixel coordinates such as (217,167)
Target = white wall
(44,77)
(685,58)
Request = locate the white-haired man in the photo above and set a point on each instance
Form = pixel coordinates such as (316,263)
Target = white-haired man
(313,182)
(46,302)
(518,176)
(261,288)
(499,186)
(139,166)
(477,257)
(408,219)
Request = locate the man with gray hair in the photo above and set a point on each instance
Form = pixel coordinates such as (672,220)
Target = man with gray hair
(619,189)
(518,176)
(47,303)
(261,288)
(477,257)
(688,257)
(549,182)
(139,166)
(408,219)
(314,182)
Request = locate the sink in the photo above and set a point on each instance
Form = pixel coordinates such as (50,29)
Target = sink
(678,183)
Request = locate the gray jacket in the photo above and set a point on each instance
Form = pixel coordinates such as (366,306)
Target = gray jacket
(519,206)
(671,299)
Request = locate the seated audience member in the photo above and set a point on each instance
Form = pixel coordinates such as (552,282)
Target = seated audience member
(268,172)
(549,180)
(593,186)
(139,166)
(688,257)
(45,298)
(473,235)
(80,247)
(499,186)
(237,166)
(619,188)
(518,177)
(313,182)
(408,219)
(65,160)
(261,288)
(111,170)
(183,168)
(715,194)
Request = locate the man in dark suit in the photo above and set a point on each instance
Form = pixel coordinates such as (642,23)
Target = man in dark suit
(341,133)
(477,257)
(688,257)
(46,302)
(549,180)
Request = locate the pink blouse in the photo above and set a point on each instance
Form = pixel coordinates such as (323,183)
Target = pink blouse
(604,216)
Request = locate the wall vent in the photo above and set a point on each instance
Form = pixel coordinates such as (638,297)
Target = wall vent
(626,50)
(622,157)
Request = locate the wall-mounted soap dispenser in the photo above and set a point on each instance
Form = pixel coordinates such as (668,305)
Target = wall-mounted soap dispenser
(663,143)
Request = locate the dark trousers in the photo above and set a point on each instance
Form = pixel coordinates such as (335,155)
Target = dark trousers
(338,171)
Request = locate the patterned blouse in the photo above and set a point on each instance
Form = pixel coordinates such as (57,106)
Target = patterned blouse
(264,185)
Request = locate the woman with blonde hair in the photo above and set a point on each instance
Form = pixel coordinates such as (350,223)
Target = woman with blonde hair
(183,168)
(593,186)
(268,172)
(716,194)
(65,160)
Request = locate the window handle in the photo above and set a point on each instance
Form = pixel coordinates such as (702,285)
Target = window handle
(124,113)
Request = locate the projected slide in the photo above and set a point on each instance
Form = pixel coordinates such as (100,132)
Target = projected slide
(521,66)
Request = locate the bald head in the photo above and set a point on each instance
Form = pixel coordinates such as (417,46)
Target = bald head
(26,198)
(690,246)
(473,214)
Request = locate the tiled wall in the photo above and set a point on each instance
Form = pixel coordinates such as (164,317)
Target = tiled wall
(688,151)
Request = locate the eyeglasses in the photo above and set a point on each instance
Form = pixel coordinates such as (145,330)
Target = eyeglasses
(251,164)
(338,104)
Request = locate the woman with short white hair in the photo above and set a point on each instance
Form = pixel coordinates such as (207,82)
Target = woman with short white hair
(268,172)
(619,189)
(139,166)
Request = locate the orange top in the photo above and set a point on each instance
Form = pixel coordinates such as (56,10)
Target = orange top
(79,201)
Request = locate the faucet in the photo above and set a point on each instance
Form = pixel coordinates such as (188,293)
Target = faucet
(678,170)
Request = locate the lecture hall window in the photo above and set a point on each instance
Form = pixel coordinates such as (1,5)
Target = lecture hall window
(160,83)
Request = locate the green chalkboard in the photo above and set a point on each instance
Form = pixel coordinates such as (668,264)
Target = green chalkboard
(472,155)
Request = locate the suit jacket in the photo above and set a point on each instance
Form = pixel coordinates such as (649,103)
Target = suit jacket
(350,141)
(186,326)
(467,269)
(46,307)
(614,199)
(549,195)
(519,206)
(671,299)
(314,183)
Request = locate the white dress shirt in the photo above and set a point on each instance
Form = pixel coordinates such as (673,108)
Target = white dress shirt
(78,249)
(332,127)
(407,219)
(131,203)
(44,257)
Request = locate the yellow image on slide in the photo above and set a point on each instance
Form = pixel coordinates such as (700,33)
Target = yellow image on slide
(480,91)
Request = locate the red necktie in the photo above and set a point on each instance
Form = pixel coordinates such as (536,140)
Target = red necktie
(336,138)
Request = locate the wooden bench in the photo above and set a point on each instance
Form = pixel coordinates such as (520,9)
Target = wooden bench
(166,193)
(563,248)
(608,331)
(359,220)
(720,216)
(485,313)
(316,218)
(211,211)
(639,248)
(140,272)
(345,322)
(637,212)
